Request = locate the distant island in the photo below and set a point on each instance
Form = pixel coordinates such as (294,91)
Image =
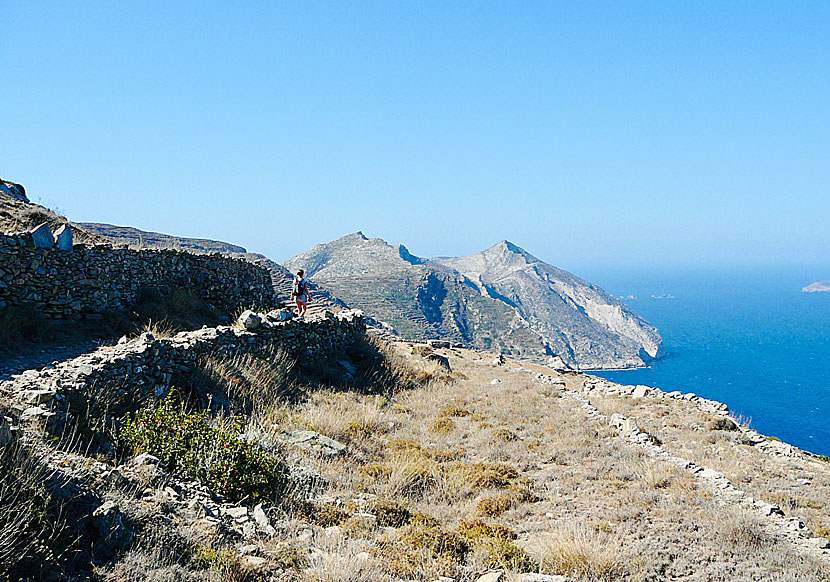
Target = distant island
(817,287)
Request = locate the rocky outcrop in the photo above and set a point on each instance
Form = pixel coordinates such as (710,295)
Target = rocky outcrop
(501,299)
(16,191)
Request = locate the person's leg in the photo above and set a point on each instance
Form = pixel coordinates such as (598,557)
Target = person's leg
(299,308)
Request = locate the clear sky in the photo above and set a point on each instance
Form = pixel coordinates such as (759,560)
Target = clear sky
(612,133)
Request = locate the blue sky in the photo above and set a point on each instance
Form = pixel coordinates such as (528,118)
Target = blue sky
(618,133)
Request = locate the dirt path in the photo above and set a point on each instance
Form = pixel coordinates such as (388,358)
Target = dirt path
(40,356)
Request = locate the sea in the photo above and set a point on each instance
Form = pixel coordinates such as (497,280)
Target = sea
(748,337)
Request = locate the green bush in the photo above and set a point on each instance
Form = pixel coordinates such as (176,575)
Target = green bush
(188,445)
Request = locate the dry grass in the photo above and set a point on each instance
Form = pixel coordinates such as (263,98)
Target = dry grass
(580,552)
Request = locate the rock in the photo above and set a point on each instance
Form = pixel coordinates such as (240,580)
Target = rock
(316,443)
(641,392)
(123,340)
(542,578)
(442,361)
(5,431)
(63,237)
(495,381)
(37,397)
(498,361)
(494,576)
(146,459)
(253,563)
(14,190)
(42,237)
(110,528)
(278,315)
(444,579)
(616,420)
(262,521)
(821,543)
(238,514)
(250,320)
(249,550)
(629,426)
(436,343)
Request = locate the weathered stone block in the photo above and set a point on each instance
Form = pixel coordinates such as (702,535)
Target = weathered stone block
(42,237)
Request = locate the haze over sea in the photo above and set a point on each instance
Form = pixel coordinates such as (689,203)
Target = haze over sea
(747,337)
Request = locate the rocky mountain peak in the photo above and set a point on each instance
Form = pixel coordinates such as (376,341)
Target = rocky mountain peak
(502,296)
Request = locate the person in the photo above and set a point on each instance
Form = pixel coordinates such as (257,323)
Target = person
(300,294)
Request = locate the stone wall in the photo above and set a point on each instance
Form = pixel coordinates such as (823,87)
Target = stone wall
(90,280)
(148,365)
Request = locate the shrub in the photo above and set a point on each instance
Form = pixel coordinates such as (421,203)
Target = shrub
(581,553)
(485,476)
(376,471)
(454,409)
(328,515)
(424,549)
(495,505)
(442,425)
(494,545)
(188,445)
(390,513)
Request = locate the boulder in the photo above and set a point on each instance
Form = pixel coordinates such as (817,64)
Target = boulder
(442,361)
(630,426)
(494,576)
(14,190)
(315,443)
(42,237)
(616,420)
(5,431)
(63,237)
(262,521)
(542,578)
(641,392)
(498,361)
(250,320)
(495,381)
(278,315)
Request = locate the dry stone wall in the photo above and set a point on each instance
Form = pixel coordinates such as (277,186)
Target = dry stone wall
(90,280)
(150,366)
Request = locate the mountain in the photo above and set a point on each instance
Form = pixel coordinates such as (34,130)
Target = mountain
(502,298)
(817,287)
(127,235)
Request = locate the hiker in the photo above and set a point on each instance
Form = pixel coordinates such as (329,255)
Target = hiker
(300,294)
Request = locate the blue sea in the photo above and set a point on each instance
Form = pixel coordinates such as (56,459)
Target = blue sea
(746,337)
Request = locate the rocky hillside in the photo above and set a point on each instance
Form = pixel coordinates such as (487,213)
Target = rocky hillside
(18,214)
(503,298)
(133,237)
